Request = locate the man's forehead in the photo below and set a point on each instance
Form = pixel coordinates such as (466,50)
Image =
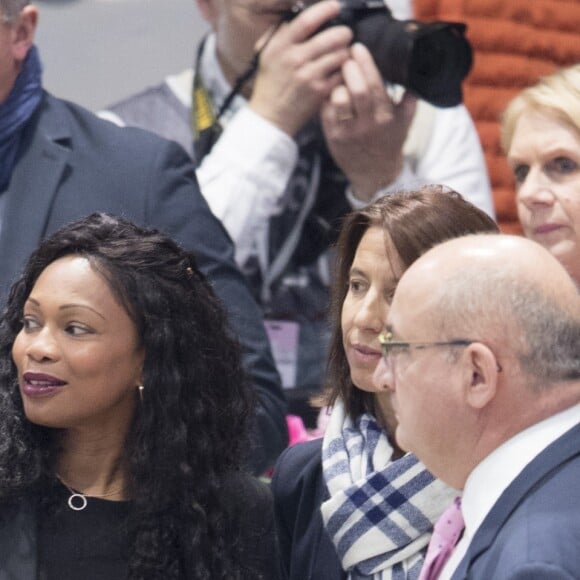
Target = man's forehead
(412,307)
(416,284)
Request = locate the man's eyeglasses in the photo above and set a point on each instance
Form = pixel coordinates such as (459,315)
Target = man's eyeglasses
(388,345)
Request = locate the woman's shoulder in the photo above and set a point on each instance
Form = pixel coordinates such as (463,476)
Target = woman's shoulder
(298,469)
(301,457)
(17,538)
(16,507)
(248,505)
(250,510)
(243,491)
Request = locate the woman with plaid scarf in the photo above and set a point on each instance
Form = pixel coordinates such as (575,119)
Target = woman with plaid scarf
(353,506)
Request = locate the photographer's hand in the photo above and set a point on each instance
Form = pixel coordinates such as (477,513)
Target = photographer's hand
(364,129)
(300,67)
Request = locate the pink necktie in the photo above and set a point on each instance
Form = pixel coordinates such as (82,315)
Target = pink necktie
(446,532)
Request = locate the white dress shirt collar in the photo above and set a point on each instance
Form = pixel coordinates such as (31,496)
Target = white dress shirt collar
(214,80)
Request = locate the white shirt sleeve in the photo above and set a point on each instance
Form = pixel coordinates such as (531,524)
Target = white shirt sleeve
(454,157)
(244,177)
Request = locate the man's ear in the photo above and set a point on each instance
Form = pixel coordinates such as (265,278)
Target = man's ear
(484,370)
(23,31)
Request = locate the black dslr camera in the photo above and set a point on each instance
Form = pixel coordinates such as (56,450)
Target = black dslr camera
(429,59)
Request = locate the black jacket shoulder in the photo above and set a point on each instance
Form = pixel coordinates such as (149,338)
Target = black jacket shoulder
(306,551)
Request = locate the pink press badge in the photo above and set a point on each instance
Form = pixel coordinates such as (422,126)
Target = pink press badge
(283,336)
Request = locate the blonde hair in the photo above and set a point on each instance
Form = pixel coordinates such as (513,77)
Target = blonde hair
(557,94)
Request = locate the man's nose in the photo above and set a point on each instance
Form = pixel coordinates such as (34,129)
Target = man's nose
(383,376)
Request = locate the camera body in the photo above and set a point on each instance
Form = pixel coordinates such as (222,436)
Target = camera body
(429,59)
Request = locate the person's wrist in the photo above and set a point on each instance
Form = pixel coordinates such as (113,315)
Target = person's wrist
(365,187)
(284,122)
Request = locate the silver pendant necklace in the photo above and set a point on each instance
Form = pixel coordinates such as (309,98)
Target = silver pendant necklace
(77,500)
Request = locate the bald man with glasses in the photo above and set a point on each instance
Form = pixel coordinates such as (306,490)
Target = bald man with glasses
(481,356)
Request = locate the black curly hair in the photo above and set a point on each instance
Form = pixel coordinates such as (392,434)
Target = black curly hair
(191,432)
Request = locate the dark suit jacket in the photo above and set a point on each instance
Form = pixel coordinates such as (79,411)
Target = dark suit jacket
(533,530)
(247,501)
(306,551)
(73,164)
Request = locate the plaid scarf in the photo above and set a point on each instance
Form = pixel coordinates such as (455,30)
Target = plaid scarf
(381,512)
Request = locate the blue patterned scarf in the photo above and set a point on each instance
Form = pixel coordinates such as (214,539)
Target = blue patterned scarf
(16,110)
(381,512)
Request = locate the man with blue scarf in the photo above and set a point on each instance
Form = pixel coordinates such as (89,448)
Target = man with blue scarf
(59,162)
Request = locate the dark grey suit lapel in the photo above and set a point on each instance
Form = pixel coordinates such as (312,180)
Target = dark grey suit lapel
(32,189)
(18,545)
(563,449)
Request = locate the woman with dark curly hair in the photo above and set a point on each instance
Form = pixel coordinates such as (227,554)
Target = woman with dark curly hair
(123,418)
(353,505)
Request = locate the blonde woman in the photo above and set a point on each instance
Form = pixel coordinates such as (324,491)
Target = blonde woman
(541,137)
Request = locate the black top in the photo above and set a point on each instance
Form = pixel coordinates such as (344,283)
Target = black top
(39,544)
(90,544)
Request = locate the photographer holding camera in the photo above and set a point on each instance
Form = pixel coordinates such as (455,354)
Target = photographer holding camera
(285,152)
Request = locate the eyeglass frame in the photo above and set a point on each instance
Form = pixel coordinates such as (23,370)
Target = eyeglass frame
(386,342)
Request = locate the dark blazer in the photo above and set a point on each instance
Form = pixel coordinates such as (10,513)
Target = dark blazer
(72,164)
(533,530)
(306,551)
(247,500)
